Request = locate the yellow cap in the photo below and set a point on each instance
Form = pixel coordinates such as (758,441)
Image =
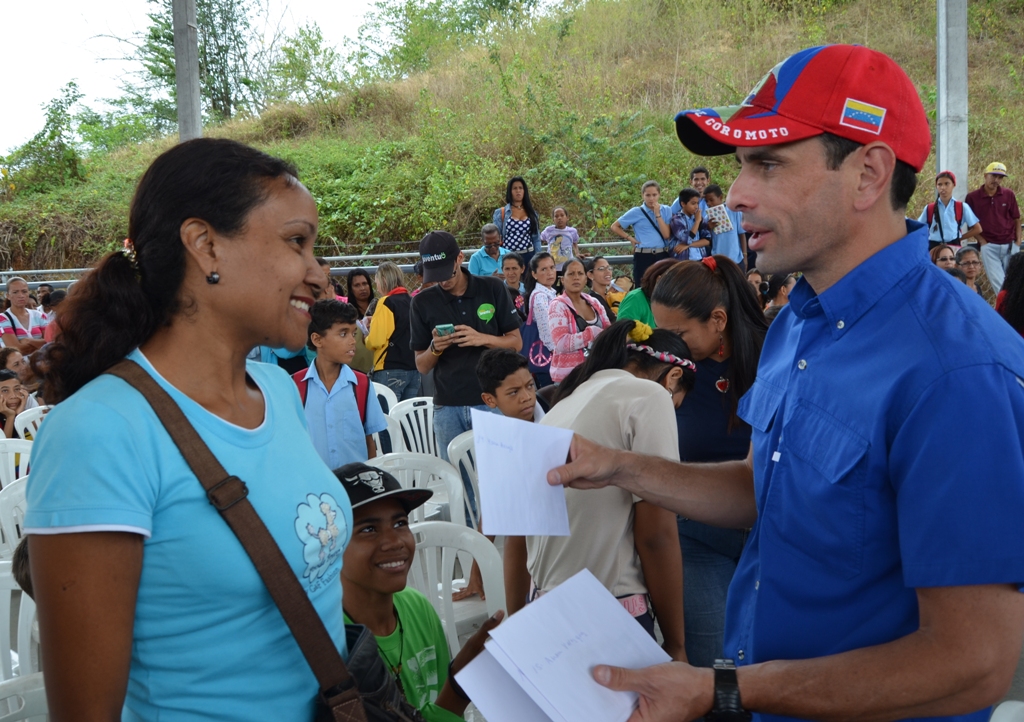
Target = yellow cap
(996,168)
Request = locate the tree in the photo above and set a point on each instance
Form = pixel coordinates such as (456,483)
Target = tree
(236,53)
(51,158)
(307,69)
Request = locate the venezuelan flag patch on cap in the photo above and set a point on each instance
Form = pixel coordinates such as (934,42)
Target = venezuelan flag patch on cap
(862,116)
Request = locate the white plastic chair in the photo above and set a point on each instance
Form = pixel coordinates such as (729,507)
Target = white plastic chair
(12,513)
(14,459)
(1009,711)
(417,419)
(423,471)
(26,659)
(438,543)
(27,423)
(462,455)
(385,396)
(394,432)
(25,697)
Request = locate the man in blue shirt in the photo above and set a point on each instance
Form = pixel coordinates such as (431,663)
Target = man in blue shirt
(487,261)
(883,572)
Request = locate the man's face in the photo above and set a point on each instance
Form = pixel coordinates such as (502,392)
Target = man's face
(699,181)
(993,180)
(492,241)
(452,282)
(691,206)
(45,288)
(792,205)
(380,554)
(712,200)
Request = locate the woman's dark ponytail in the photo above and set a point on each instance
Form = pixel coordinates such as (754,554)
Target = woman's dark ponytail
(119,304)
(531,282)
(696,288)
(609,351)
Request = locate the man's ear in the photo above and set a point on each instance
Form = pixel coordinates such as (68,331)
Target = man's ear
(876,164)
(317,339)
(490,399)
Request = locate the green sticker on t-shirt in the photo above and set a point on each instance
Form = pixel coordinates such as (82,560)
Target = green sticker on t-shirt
(485,312)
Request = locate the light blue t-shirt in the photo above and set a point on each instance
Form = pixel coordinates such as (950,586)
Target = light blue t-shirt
(728,242)
(644,225)
(208,641)
(480,264)
(946,215)
(333,418)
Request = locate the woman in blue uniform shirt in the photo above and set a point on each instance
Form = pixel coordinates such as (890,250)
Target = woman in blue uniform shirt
(149,608)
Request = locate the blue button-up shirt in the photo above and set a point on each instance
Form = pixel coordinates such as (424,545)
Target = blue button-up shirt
(888,433)
(333,418)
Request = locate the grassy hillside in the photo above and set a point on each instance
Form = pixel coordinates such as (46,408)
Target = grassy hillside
(580,102)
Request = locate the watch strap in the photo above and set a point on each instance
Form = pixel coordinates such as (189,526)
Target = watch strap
(727,707)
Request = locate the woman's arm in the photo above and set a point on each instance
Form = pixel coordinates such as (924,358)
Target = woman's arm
(663,227)
(564,340)
(618,230)
(85,589)
(517,576)
(540,304)
(656,538)
(24,345)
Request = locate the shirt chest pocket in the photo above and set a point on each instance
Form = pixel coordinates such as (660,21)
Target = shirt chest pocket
(815,507)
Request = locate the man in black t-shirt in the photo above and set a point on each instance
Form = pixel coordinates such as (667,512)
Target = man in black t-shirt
(482,315)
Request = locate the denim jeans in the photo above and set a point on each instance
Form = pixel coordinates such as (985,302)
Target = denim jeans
(710,556)
(405,384)
(449,422)
(995,259)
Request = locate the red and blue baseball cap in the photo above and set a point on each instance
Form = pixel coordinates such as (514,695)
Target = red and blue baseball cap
(847,90)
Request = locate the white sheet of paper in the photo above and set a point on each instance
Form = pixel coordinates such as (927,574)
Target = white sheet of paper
(513,458)
(498,697)
(557,641)
(523,682)
(718,213)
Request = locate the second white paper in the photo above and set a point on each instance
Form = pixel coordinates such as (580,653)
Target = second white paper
(513,458)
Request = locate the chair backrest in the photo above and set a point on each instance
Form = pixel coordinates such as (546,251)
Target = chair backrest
(12,513)
(27,423)
(25,698)
(385,396)
(423,471)
(437,545)
(1010,711)
(10,659)
(462,455)
(416,417)
(392,441)
(14,459)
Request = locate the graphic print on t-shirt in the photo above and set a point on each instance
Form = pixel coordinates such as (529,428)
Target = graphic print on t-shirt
(316,525)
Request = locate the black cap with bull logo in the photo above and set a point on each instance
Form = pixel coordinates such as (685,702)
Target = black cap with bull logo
(365,483)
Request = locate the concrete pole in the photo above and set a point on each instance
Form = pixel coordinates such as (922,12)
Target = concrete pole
(951,95)
(186,64)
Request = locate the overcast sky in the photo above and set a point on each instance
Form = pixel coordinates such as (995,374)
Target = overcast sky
(50,42)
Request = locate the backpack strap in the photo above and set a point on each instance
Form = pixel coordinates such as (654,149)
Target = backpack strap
(958,212)
(930,213)
(228,494)
(299,377)
(362,393)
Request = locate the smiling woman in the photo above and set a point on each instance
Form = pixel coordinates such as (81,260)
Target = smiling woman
(148,606)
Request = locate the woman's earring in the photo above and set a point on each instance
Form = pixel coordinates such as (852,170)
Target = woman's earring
(213,278)
(721,345)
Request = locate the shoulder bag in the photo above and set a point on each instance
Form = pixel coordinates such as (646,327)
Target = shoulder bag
(374,695)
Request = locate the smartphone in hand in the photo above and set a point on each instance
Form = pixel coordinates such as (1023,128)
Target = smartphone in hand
(445,329)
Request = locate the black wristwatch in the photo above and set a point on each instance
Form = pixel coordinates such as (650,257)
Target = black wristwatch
(727,707)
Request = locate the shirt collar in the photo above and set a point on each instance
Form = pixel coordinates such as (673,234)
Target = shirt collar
(472,286)
(346,375)
(858,291)
(397,290)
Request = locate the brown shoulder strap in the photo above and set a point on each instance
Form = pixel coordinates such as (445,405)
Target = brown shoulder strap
(228,495)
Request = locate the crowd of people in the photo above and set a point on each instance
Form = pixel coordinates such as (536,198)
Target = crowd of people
(759,474)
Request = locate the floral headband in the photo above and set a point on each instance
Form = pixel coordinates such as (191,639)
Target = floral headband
(662,356)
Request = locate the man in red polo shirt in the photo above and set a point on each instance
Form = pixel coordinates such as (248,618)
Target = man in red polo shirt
(996,208)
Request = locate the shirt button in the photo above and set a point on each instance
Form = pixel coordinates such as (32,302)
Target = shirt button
(801,364)
(740,654)
(757,585)
(841,325)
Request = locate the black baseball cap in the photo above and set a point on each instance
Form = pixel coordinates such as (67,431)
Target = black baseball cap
(438,252)
(365,483)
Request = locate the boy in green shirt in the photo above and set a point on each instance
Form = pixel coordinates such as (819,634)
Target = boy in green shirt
(376,565)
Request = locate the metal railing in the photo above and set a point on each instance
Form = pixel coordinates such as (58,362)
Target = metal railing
(64,277)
